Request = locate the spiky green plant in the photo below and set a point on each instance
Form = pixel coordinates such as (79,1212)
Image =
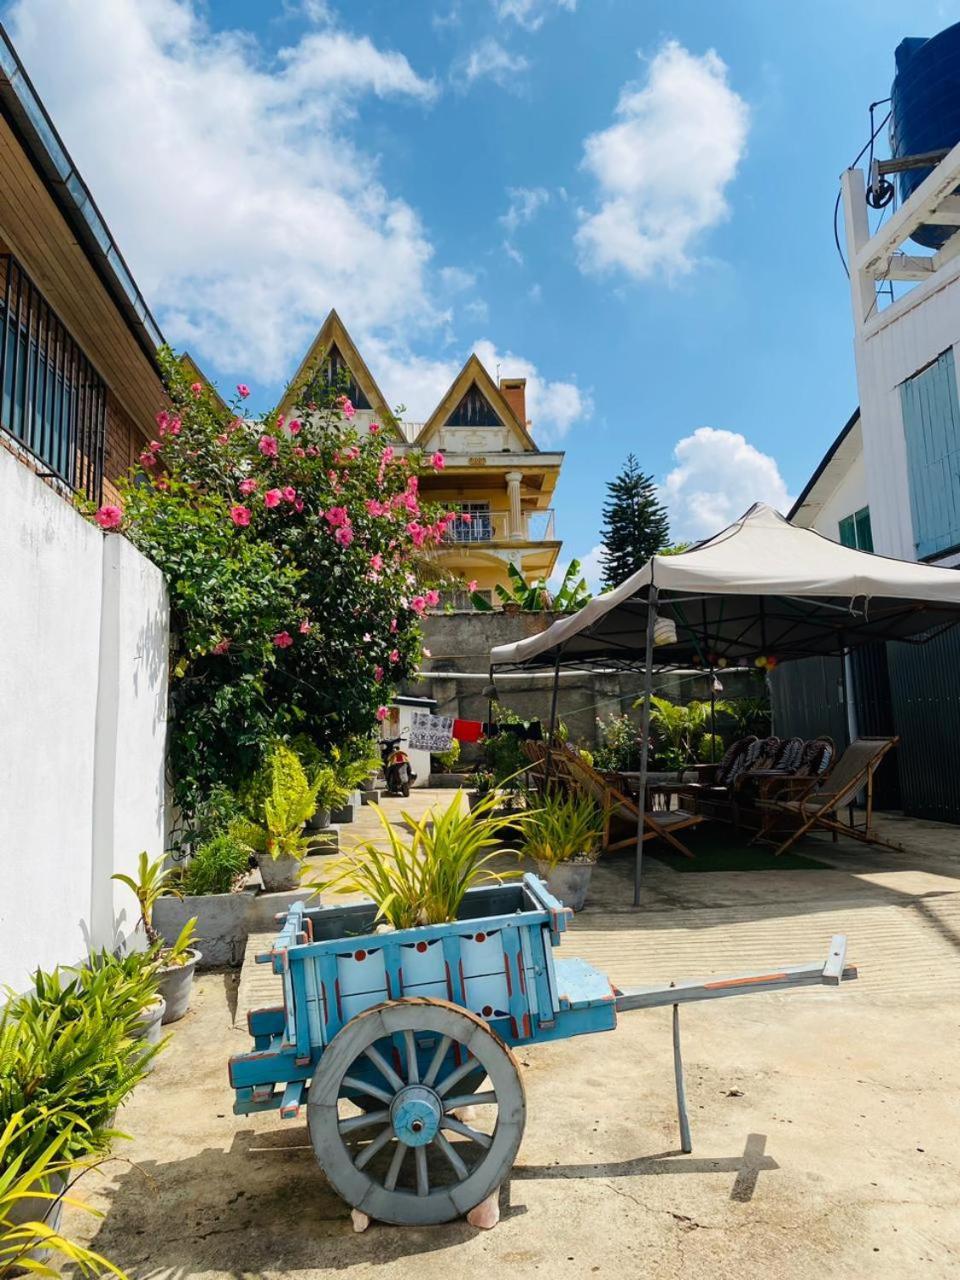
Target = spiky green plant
(217,866)
(152,881)
(563,827)
(28,1173)
(422,879)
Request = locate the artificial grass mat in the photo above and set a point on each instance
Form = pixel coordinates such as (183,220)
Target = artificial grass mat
(724,849)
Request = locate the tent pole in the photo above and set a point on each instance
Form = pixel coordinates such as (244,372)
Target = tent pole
(713,716)
(553,722)
(645,739)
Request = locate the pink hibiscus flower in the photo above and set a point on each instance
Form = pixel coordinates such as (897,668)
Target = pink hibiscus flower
(378,674)
(196,390)
(221,647)
(472,585)
(344,535)
(289,493)
(247,487)
(306,626)
(109,517)
(346,408)
(382,713)
(242,390)
(283,639)
(433,598)
(438,462)
(272,498)
(337,516)
(240,516)
(294,425)
(268,446)
(418,604)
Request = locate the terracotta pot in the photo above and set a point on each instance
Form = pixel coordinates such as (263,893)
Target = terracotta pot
(569,881)
(279,873)
(175,985)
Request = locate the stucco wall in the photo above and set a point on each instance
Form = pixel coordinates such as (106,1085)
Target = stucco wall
(83,641)
(849,496)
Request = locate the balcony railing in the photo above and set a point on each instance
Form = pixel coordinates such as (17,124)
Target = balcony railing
(494,526)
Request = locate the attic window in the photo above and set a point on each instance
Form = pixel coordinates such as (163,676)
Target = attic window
(336,369)
(474,410)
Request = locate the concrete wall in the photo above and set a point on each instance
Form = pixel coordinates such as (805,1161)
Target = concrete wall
(460,645)
(83,645)
(849,496)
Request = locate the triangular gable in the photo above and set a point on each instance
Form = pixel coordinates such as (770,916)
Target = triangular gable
(193,371)
(333,338)
(474,375)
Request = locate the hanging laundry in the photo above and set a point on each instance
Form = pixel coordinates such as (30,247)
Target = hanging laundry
(468,730)
(430,733)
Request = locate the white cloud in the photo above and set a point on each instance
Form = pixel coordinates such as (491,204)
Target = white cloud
(530,14)
(456,279)
(489,60)
(230,178)
(663,167)
(717,477)
(525,204)
(589,569)
(553,407)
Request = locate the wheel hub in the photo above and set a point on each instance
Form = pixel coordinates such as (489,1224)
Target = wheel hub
(415,1114)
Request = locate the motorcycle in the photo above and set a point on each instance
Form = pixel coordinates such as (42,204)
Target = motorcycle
(397,772)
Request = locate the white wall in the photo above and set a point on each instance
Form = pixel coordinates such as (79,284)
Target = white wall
(891,347)
(850,495)
(83,644)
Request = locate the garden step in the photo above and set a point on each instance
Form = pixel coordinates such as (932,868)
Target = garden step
(260,987)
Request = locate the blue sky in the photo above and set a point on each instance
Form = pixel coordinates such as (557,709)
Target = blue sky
(629,201)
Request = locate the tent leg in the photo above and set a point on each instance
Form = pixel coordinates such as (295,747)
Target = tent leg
(553,724)
(645,740)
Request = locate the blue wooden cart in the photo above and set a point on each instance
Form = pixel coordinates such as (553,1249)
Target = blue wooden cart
(398,1042)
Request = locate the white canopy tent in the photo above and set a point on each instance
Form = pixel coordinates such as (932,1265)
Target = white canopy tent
(760,588)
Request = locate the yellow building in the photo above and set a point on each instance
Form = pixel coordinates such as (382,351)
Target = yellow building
(495,477)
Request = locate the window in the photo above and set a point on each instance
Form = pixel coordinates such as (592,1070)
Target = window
(52,400)
(855,530)
(931,429)
(474,523)
(474,410)
(337,373)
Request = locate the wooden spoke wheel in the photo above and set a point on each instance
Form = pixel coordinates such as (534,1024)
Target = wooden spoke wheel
(385,1110)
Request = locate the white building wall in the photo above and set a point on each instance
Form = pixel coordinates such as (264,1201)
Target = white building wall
(83,643)
(891,347)
(849,496)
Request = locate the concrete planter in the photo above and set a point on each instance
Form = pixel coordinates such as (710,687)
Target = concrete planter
(38,1209)
(569,881)
(342,816)
(221,924)
(175,985)
(279,873)
(320,820)
(149,1026)
(370,795)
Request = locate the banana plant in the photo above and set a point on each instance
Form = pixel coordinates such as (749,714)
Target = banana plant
(572,594)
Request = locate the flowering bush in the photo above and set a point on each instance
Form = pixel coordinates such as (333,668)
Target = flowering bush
(294,553)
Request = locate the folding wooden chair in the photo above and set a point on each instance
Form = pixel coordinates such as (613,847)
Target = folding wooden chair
(615,806)
(821,799)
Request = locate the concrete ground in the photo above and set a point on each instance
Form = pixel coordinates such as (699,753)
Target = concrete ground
(826,1124)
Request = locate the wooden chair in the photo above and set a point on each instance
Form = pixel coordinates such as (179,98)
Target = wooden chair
(617,807)
(817,803)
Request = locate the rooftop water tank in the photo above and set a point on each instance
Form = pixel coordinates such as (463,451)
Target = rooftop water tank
(925,112)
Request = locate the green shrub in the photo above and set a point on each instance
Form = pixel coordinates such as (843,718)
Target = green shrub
(280,800)
(218,866)
(446,761)
(563,827)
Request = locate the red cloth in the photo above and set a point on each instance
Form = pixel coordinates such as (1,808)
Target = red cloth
(467,730)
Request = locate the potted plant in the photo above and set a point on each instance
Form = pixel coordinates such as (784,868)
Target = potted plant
(483,785)
(284,799)
(176,961)
(34,1177)
(212,888)
(421,878)
(133,982)
(563,838)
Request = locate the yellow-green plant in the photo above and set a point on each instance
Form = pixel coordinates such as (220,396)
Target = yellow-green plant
(30,1174)
(152,881)
(564,827)
(275,825)
(421,879)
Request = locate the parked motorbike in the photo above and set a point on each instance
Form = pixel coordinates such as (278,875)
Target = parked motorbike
(397,773)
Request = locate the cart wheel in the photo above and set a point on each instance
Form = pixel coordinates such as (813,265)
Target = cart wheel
(412,1160)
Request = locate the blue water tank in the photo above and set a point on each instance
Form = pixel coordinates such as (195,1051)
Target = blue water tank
(925,111)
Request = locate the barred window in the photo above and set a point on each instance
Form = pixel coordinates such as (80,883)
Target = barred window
(52,400)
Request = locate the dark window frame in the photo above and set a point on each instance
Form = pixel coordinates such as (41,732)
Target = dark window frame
(53,402)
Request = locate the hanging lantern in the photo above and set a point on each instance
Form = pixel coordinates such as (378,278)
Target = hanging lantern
(664,631)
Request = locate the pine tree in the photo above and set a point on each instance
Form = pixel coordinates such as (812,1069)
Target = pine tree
(635,524)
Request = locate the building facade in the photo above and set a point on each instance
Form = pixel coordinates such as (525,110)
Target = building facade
(495,477)
(890,482)
(79,382)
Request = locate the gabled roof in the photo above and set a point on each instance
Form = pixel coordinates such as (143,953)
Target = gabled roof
(475,372)
(194,371)
(837,458)
(334,334)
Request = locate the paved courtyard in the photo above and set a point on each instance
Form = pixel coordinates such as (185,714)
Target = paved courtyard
(825,1122)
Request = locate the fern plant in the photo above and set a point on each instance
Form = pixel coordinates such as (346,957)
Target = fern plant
(31,1171)
(422,879)
(275,826)
(680,726)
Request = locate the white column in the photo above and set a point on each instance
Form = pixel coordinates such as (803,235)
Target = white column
(513,495)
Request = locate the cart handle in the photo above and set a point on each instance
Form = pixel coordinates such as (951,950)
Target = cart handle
(831,972)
